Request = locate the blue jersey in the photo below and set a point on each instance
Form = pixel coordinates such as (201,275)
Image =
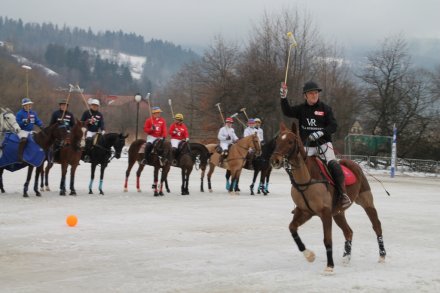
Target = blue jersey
(27,119)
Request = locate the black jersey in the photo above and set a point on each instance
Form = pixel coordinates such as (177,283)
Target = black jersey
(95,124)
(68,119)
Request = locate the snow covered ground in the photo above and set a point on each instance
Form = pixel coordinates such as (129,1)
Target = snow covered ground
(209,242)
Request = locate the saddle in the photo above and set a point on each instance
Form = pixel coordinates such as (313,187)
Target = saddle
(350,178)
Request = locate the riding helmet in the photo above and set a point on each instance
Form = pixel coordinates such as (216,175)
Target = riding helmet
(26,101)
(311,86)
(178,116)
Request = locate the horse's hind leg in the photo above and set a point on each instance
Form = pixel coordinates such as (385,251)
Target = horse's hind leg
(101,178)
(341,221)
(92,176)
(365,200)
(299,218)
(46,175)
(211,170)
(256,171)
(37,176)
(72,179)
(202,175)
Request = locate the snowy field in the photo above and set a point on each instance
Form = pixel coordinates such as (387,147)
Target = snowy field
(209,242)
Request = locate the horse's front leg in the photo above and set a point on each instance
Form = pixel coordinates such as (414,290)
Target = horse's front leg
(138,177)
(92,176)
(63,178)
(326,218)
(72,179)
(211,170)
(163,178)
(28,179)
(202,175)
(42,177)
(156,176)
(1,180)
(46,175)
(299,218)
(256,171)
(228,176)
(182,187)
(101,178)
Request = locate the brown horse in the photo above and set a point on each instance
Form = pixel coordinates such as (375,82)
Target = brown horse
(159,158)
(313,195)
(235,160)
(69,154)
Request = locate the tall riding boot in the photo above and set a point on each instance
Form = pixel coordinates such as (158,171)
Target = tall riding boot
(174,156)
(87,149)
(338,177)
(148,149)
(21,147)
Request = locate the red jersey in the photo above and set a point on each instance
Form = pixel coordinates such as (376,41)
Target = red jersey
(178,131)
(156,127)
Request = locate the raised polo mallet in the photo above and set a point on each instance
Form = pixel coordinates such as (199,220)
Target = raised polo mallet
(235,115)
(220,110)
(243,110)
(27,68)
(147,99)
(171,107)
(79,90)
(293,43)
(67,101)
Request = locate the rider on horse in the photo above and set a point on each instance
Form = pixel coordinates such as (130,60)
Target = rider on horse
(316,125)
(260,132)
(62,117)
(251,128)
(226,136)
(26,118)
(94,121)
(156,128)
(178,133)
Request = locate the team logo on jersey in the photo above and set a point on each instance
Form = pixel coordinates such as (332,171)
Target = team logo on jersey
(319,113)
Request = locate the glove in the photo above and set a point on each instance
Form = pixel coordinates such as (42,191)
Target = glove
(25,123)
(315,135)
(103,132)
(283,90)
(228,137)
(187,139)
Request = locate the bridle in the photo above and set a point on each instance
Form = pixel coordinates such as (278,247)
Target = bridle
(6,122)
(286,158)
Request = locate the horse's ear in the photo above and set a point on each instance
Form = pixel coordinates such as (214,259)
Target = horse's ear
(294,128)
(282,126)
(7,109)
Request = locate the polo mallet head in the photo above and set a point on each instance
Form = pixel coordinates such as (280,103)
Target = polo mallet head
(26,67)
(147,98)
(243,110)
(292,43)
(235,115)
(171,107)
(220,110)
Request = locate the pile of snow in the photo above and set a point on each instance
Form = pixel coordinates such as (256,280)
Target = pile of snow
(134,63)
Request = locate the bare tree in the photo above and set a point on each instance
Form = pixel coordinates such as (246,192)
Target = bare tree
(394,93)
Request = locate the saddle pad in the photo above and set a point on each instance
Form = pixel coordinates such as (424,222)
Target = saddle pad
(350,179)
(33,153)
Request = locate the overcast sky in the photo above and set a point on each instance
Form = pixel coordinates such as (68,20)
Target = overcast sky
(195,22)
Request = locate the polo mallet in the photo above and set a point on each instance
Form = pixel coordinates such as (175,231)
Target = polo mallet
(171,107)
(67,101)
(79,90)
(243,110)
(235,115)
(220,110)
(147,99)
(27,68)
(292,44)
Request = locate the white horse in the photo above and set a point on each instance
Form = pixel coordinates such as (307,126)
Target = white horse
(8,123)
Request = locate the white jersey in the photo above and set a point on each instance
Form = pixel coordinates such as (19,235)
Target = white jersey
(223,134)
(249,131)
(260,133)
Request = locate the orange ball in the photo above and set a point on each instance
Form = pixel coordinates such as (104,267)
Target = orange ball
(71,220)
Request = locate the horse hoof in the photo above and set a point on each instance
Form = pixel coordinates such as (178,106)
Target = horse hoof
(309,255)
(346,259)
(161,193)
(328,271)
(156,193)
(72,193)
(381,259)
(47,188)
(38,194)
(101,192)
(42,189)
(25,195)
(139,190)
(125,189)
(210,190)
(2,190)
(62,193)
(90,191)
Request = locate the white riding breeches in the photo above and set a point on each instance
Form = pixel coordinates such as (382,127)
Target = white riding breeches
(324,151)
(151,138)
(175,143)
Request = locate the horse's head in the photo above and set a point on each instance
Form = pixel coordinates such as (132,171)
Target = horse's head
(118,144)
(256,145)
(288,145)
(8,121)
